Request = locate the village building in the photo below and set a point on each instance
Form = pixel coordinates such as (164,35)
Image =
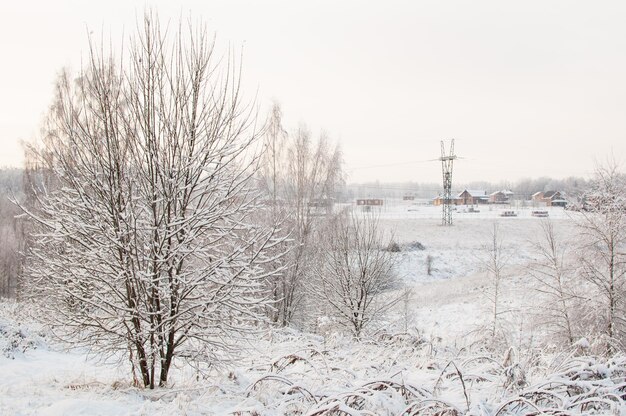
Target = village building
(500,197)
(321,206)
(372,202)
(549,199)
(473,197)
(438,200)
(369,203)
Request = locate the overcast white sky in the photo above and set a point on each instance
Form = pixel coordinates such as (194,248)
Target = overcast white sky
(527,88)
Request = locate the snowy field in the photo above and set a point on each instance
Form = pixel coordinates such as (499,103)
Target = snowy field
(424,358)
(451,299)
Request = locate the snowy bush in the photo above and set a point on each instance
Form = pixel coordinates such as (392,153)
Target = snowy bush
(414,246)
(393,247)
(15,338)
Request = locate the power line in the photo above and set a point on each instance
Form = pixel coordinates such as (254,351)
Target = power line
(393,188)
(392,164)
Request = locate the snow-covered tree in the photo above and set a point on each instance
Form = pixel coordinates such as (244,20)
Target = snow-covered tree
(313,175)
(300,177)
(274,161)
(272,180)
(355,271)
(557,281)
(603,251)
(496,259)
(147,244)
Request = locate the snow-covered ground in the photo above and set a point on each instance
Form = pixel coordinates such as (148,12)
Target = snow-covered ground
(437,365)
(451,301)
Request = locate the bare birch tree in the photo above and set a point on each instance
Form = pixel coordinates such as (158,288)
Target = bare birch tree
(273,177)
(603,251)
(302,179)
(274,163)
(495,263)
(557,282)
(356,271)
(147,245)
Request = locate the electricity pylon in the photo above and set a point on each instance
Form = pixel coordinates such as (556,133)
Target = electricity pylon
(446,168)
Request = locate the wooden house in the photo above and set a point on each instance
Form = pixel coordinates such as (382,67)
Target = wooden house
(369,203)
(549,199)
(437,201)
(372,202)
(473,197)
(500,197)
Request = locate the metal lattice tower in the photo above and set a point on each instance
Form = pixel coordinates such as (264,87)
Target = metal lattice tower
(446,168)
